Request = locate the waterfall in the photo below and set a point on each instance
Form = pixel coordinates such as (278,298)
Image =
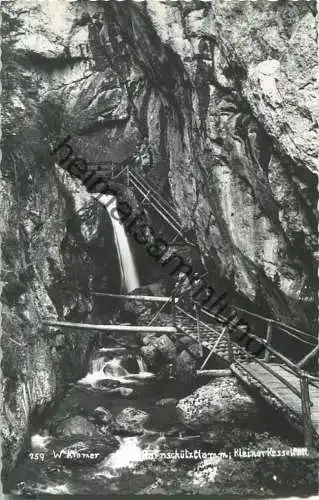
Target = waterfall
(97,363)
(125,256)
(141,364)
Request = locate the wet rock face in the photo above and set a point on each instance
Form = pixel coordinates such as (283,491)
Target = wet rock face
(50,240)
(219,402)
(223,119)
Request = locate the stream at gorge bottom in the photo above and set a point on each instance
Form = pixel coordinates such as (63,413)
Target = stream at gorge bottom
(100,438)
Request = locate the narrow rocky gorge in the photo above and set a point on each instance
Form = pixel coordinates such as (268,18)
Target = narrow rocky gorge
(216,103)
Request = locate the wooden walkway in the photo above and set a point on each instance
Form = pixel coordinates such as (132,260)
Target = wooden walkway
(269,386)
(284,384)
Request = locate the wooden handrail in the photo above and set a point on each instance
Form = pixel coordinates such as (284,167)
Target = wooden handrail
(110,328)
(222,372)
(161,213)
(165,200)
(273,321)
(283,358)
(156,199)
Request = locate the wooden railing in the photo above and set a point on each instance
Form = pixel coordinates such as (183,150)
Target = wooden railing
(305,379)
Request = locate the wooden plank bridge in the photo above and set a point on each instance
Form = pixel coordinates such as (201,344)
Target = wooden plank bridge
(283,383)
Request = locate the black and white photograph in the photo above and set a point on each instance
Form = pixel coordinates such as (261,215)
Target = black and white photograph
(159,249)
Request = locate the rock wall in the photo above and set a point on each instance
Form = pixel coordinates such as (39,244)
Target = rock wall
(54,238)
(224,98)
(217,104)
(49,263)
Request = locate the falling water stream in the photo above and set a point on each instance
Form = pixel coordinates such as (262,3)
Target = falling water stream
(129,275)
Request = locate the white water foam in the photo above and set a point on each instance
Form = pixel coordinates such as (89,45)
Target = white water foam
(112,370)
(39,442)
(54,489)
(141,364)
(129,454)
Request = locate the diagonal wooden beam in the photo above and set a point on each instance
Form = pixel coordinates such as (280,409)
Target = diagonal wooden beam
(148,298)
(310,355)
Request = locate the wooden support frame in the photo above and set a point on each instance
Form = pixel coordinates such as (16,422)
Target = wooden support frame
(214,348)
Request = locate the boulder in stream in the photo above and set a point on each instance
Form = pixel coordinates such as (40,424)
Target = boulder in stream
(185,367)
(87,451)
(149,353)
(123,391)
(166,347)
(222,401)
(108,384)
(102,416)
(76,425)
(130,421)
(166,402)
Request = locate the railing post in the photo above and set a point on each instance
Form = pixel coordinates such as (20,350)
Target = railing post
(268,340)
(306,412)
(198,332)
(229,347)
(173,309)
